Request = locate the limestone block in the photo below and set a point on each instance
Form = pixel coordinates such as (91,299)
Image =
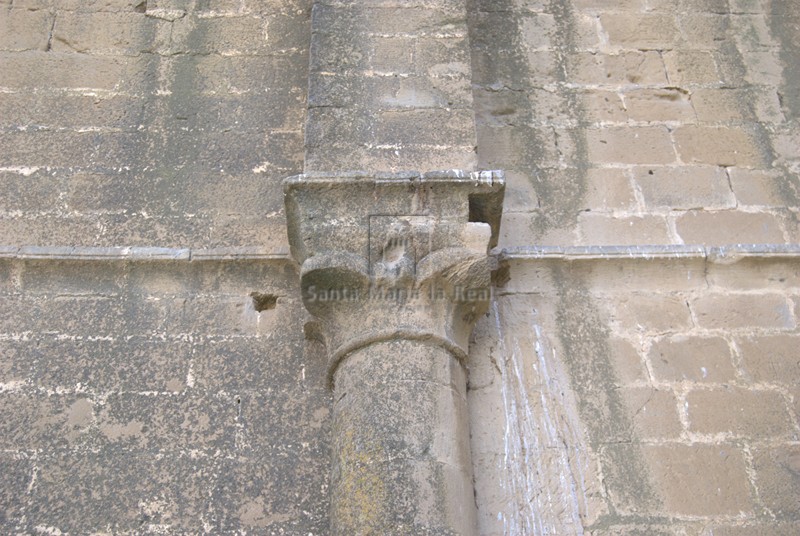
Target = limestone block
(659,105)
(736,310)
(691,67)
(21,29)
(721,146)
(739,412)
(639,31)
(600,229)
(770,358)
(684,187)
(730,227)
(700,479)
(635,145)
(654,413)
(697,359)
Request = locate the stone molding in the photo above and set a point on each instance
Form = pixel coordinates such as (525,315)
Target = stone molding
(726,254)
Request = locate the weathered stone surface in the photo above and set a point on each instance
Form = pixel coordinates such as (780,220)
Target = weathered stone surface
(395,287)
(778,480)
(171,123)
(149,364)
(15,476)
(109,33)
(648,312)
(752,274)
(72,484)
(628,363)
(696,359)
(684,188)
(659,105)
(700,479)
(640,32)
(654,413)
(756,187)
(735,310)
(770,358)
(609,189)
(609,230)
(116,398)
(742,413)
(627,67)
(402,461)
(720,146)
(700,227)
(645,145)
(690,67)
(426,45)
(21,29)
(778,528)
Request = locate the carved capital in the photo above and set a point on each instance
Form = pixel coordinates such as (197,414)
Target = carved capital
(395,256)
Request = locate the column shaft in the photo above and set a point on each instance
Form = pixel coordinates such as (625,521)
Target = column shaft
(402,460)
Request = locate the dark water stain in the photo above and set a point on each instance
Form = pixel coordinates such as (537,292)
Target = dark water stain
(504,99)
(587,355)
(734,72)
(785,26)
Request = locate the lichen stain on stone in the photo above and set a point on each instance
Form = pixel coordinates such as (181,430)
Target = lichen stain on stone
(80,413)
(80,416)
(122,431)
(362,483)
(502,70)
(254,514)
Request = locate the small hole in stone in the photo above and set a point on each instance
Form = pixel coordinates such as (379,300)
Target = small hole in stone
(141,7)
(263,302)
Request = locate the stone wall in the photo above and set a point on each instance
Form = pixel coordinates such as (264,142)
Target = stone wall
(146,391)
(123,121)
(639,122)
(143,396)
(154,372)
(669,407)
(646,389)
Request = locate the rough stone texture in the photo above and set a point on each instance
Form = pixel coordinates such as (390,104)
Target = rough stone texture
(635,391)
(778,474)
(700,93)
(770,358)
(752,414)
(120,414)
(396,470)
(679,406)
(700,479)
(389,88)
(394,269)
(695,359)
(133,116)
